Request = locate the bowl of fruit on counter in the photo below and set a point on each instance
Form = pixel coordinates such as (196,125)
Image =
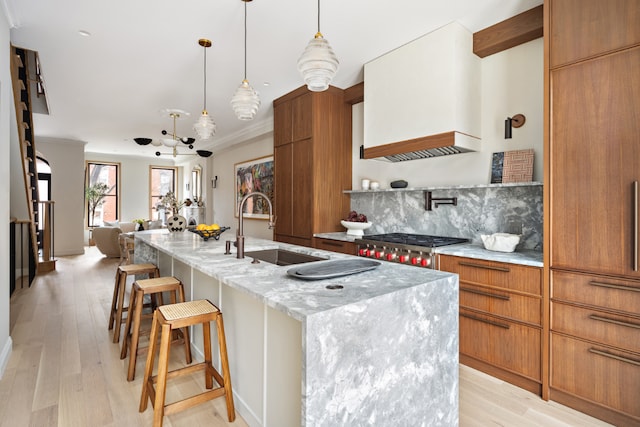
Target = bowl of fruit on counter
(355,224)
(208,231)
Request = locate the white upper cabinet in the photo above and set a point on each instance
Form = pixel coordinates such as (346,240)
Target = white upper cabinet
(426,87)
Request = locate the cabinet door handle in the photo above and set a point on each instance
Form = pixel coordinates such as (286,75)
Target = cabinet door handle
(635,225)
(490,322)
(615,322)
(613,286)
(486,267)
(613,356)
(486,294)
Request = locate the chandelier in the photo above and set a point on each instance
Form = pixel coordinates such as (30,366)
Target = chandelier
(205,127)
(174,140)
(318,64)
(245,101)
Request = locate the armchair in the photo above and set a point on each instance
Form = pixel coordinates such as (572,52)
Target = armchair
(107,238)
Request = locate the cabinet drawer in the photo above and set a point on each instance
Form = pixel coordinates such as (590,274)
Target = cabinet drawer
(500,343)
(514,306)
(617,331)
(596,373)
(496,274)
(293,240)
(615,294)
(335,246)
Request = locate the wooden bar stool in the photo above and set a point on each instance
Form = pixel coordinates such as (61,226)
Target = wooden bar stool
(152,287)
(170,317)
(117,302)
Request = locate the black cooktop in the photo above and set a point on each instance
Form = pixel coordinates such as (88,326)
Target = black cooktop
(415,239)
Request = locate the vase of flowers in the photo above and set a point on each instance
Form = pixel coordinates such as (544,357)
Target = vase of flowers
(171,206)
(170,203)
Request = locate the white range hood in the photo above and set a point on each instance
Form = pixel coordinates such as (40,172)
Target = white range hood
(422,99)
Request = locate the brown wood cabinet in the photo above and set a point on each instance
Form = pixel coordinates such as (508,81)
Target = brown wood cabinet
(593,145)
(312,161)
(500,318)
(335,245)
(595,137)
(582,29)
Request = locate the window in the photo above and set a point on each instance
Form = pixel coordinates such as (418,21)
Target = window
(161,181)
(102,193)
(196,183)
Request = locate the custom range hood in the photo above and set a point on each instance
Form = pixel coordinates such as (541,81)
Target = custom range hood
(422,99)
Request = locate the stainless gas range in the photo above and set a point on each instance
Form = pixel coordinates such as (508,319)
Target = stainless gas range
(403,248)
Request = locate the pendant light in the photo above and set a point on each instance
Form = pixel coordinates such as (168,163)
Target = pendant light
(205,127)
(245,101)
(318,64)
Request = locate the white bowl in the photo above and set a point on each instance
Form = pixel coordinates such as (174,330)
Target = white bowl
(355,228)
(500,242)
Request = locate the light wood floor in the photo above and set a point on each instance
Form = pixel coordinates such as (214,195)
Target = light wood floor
(65,371)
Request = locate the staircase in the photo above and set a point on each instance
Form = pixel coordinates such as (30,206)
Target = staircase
(40,213)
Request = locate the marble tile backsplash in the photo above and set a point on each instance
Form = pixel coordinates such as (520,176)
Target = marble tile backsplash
(480,210)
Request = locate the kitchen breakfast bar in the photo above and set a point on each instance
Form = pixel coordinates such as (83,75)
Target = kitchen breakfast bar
(375,348)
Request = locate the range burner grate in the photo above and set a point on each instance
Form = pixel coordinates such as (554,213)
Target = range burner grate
(416,239)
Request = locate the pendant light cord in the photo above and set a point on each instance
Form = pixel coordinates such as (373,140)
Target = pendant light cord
(245,40)
(204,95)
(318,15)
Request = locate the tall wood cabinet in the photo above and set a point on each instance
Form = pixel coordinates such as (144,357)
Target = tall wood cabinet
(593,59)
(312,160)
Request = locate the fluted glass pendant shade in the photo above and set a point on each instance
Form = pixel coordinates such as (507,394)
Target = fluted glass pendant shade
(245,101)
(205,128)
(318,64)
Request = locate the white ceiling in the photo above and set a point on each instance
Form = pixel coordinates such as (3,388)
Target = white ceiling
(143,56)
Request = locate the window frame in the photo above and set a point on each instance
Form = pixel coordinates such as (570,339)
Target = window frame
(118,194)
(151,194)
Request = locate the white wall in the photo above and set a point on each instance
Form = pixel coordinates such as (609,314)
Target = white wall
(512,83)
(224,194)
(66,159)
(6,105)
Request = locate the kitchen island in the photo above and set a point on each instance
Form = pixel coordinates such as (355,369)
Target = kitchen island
(374,348)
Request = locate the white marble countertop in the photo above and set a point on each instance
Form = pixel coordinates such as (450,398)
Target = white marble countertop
(524,257)
(337,235)
(270,283)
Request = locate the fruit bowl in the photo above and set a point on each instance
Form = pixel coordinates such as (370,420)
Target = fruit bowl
(355,228)
(207,234)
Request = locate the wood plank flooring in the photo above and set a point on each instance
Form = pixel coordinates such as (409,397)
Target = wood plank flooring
(65,371)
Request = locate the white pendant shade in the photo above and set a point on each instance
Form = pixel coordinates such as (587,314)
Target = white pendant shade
(156,142)
(205,128)
(169,142)
(245,101)
(318,64)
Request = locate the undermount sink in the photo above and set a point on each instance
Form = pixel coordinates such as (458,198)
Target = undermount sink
(282,257)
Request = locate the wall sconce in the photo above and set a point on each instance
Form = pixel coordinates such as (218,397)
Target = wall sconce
(515,121)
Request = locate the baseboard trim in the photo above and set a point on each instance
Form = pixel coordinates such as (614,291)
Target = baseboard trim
(4,356)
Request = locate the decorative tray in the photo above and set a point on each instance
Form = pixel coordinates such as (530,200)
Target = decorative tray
(208,234)
(330,269)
